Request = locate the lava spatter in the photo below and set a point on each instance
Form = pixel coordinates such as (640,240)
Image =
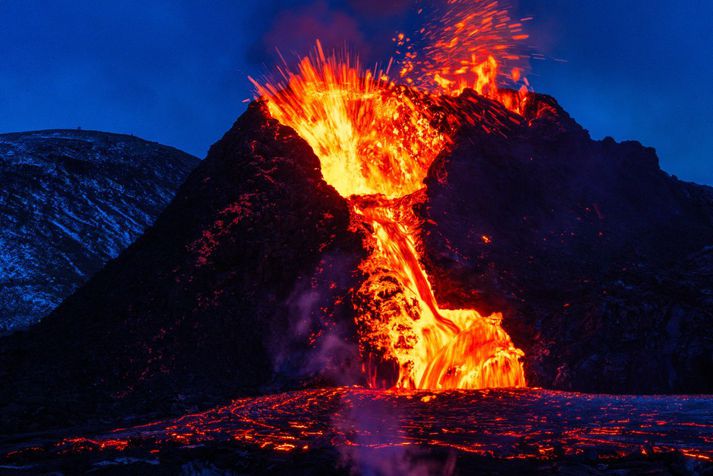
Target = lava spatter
(376,141)
(472,44)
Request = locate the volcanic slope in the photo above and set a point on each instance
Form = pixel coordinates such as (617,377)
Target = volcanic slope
(186,310)
(600,262)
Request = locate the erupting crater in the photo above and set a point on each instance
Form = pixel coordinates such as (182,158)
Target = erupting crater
(376,141)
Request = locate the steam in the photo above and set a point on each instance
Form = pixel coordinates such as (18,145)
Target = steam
(318,341)
(374,430)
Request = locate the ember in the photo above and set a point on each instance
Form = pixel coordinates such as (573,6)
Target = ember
(473,44)
(376,141)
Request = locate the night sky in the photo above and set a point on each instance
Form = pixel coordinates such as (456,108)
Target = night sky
(175,71)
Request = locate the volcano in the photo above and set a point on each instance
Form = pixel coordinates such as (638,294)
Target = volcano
(422,268)
(591,265)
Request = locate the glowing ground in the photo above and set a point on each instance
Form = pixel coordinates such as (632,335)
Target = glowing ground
(366,429)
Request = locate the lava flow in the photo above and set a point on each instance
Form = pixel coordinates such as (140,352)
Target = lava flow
(435,348)
(376,141)
(504,424)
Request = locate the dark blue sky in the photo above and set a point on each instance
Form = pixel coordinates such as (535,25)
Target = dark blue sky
(175,71)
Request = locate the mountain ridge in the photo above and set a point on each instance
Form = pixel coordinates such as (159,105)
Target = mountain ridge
(72,200)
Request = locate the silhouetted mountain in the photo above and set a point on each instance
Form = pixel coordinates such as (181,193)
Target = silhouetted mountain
(600,262)
(70,201)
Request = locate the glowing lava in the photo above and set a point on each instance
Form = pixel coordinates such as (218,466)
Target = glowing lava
(434,348)
(370,135)
(472,44)
(376,142)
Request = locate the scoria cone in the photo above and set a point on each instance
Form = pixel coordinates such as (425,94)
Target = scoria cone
(600,261)
(194,309)
(245,282)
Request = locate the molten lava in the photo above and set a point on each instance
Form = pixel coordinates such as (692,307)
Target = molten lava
(435,348)
(473,44)
(376,142)
(371,136)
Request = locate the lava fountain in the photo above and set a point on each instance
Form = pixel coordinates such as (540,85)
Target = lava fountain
(376,141)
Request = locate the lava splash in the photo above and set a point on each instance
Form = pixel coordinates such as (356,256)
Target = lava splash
(376,141)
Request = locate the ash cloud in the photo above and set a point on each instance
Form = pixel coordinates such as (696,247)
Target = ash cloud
(296,31)
(381,8)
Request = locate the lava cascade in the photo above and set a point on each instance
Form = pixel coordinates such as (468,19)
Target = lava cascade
(376,141)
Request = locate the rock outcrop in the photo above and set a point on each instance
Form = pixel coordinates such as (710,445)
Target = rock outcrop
(70,201)
(599,260)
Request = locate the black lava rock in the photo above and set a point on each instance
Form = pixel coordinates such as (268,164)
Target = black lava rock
(599,260)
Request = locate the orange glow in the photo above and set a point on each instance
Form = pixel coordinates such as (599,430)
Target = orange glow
(371,137)
(435,348)
(376,142)
(486,423)
(473,44)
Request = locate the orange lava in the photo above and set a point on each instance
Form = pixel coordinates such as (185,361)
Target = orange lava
(376,141)
(503,424)
(472,44)
(435,348)
(371,136)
